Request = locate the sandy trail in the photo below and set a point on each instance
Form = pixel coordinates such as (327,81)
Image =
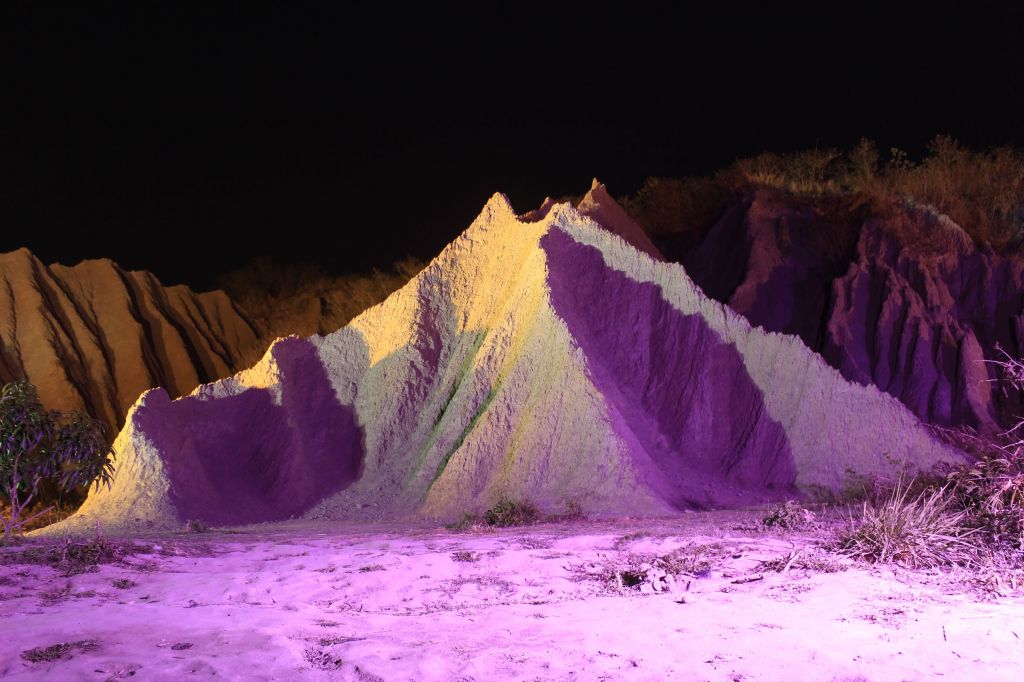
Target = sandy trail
(415,603)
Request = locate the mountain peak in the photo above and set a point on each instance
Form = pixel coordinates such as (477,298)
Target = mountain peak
(547,360)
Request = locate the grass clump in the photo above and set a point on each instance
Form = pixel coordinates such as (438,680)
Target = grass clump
(789,516)
(465,556)
(922,531)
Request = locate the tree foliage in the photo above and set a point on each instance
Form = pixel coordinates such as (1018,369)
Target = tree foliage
(37,446)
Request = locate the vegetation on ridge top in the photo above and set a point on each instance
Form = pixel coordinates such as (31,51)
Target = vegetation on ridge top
(983,192)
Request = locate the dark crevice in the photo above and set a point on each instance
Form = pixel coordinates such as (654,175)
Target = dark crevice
(154,367)
(65,342)
(90,319)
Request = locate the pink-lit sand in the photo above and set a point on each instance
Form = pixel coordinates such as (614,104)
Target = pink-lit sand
(352,602)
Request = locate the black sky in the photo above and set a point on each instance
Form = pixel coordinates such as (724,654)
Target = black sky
(187,141)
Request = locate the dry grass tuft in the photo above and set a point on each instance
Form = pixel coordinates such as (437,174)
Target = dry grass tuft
(924,531)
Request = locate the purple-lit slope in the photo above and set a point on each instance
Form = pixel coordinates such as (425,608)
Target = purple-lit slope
(547,359)
(671,384)
(258,455)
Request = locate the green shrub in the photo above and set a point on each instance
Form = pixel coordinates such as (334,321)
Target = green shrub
(511,513)
(40,446)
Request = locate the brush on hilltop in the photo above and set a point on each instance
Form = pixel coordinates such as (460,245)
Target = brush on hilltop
(982,191)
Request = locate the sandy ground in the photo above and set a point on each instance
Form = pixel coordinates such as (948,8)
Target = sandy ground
(540,603)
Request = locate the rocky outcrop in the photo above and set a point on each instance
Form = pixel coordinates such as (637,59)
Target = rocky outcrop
(94,337)
(546,359)
(913,307)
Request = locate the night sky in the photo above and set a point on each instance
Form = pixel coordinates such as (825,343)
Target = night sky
(188,141)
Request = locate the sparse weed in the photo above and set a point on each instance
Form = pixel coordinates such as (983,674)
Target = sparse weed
(626,539)
(73,556)
(321,659)
(816,562)
(55,594)
(573,512)
(467,522)
(650,572)
(694,560)
(465,556)
(60,651)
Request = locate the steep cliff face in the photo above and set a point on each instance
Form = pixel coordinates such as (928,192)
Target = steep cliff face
(910,306)
(541,357)
(94,337)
